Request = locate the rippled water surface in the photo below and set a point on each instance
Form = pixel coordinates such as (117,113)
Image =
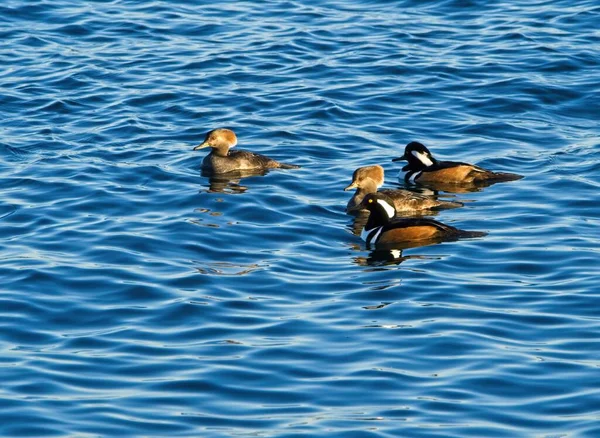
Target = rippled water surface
(140,297)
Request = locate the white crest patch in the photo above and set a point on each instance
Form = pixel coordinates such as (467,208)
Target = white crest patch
(387,207)
(422,157)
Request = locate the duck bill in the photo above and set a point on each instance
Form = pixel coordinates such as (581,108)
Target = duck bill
(403,157)
(351,186)
(201,146)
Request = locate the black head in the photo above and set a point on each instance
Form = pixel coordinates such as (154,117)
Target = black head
(381,208)
(417,155)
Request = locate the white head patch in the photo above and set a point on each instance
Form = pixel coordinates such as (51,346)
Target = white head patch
(422,157)
(387,207)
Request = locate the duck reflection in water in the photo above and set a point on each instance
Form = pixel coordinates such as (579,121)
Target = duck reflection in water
(385,257)
(230,182)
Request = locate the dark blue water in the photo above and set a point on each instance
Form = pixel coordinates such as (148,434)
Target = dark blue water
(140,298)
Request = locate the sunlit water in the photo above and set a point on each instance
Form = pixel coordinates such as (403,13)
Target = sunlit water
(140,298)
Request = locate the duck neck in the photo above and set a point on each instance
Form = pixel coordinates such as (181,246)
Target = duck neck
(368,186)
(220,151)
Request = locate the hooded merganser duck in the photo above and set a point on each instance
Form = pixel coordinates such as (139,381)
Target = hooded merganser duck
(423,168)
(222,160)
(369,178)
(383,228)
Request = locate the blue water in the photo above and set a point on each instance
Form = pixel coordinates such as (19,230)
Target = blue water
(141,298)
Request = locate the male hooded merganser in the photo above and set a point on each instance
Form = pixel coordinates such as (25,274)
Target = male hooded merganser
(369,178)
(423,168)
(222,160)
(382,228)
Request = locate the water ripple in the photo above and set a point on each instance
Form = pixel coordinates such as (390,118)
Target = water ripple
(142,297)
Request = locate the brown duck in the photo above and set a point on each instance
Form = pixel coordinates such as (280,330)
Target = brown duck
(222,160)
(368,179)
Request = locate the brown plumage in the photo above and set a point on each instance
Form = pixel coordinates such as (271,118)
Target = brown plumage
(222,160)
(422,167)
(384,228)
(410,233)
(368,179)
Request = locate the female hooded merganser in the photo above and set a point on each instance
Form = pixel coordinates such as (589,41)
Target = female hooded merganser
(222,160)
(369,178)
(423,168)
(382,228)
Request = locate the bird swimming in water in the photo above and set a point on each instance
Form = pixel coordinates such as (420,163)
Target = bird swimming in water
(368,179)
(222,160)
(384,228)
(422,167)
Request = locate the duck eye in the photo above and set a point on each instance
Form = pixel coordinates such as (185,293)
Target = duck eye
(370,201)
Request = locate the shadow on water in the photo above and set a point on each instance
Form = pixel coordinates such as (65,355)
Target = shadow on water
(230,182)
